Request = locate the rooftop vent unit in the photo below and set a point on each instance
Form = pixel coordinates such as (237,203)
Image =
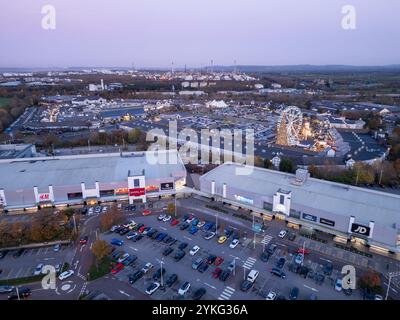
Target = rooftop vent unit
(301,177)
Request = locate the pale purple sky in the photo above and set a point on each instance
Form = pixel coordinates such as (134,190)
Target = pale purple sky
(152,33)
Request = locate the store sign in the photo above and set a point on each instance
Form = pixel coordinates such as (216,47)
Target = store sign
(327,222)
(309,217)
(121,191)
(167,186)
(243,199)
(360,229)
(150,189)
(137,192)
(44,197)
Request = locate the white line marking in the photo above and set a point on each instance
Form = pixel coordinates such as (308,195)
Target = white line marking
(313,289)
(210,285)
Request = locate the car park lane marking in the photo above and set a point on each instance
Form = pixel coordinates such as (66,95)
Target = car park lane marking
(267,238)
(327,260)
(136,249)
(313,289)
(249,263)
(190,239)
(124,293)
(163,228)
(209,285)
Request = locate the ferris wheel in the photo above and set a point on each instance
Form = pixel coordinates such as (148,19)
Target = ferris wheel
(293,118)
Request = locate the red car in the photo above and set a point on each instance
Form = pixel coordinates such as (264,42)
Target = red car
(303,251)
(218,261)
(142,229)
(117,268)
(84,240)
(216,272)
(174,222)
(146,212)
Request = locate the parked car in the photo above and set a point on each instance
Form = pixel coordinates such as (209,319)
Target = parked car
(137,237)
(184,218)
(18,253)
(167,251)
(117,268)
(6,289)
(147,267)
(222,239)
(278,273)
(131,234)
(174,222)
(23,293)
(264,256)
(271,249)
(123,257)
(158,273)
(190,219)
(201,224)
(199,293)
(179,255)
(117,242)
(232,266)
(194,250)
(208,226)
(246,285)
(271,296)
(161,217)
(294,293)
(211,258)
(146,230)
(328,269)
(57,247)
(136,276)
(291,236)
(338,285)
(128,261)
(167,218)
(282,234)
(203,267)
(161,237)
(193,230)
(3,253)
(38,269)
(218,261)
(224,275)
(116,254)
(155,235)
(171,280)
(195,222)
(184,288)
(280,263)
(252,276)
(196,263)
(299,258)
(184,226)
(209,235)
(234,243)
(151,232)
(152,288)
(183,245)
(146,212)
(216,273)
(65,275)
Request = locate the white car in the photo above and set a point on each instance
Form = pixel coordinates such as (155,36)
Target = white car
(234,243)
(189,220)
(104,209)
(167,218)
(65,275)
(161,217)
(123,257)
(152,288)
(252,276)
(147,267)
(338,285)
(209,235)
(194,250)
(113,228)
(201,224)
(184,288)
(38,269)
(271,296)
(378,297)
(299,258)
(282,234)
(91,210)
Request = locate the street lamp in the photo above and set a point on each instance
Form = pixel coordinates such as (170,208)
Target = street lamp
(391,275)
(162,282)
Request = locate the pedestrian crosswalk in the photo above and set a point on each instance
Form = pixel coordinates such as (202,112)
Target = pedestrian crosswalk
(249,263)
(267,238)
(227,293)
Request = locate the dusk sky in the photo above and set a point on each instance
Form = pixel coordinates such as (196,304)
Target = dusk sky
(152,33)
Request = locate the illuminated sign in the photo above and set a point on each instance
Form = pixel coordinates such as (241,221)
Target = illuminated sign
(121,191)
(309,217)
(44,197)
(167,186)
(137,192)
(327,222)
(360,229)
(150,189)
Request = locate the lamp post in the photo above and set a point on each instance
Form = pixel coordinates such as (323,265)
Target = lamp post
(162,282)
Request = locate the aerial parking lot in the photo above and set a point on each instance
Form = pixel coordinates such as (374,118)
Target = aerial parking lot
(199,263)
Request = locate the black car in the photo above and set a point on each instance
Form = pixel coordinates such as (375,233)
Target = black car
(280,263)
(246,285)
(3,253)
(224,275)
(328,268)
(203,267)
(279,273)
(179,255)
(167,239)
(211,258)
(294,293)
(236,236)
(184,226)
(135,276)
(137,237)
(83,210)
(264,256)
(304,271)
(155,235)
(199,293)
(348,292)
(118,229)
(272,248)
(183,245)
(18,253)
(124,231)
(319,278)
(280,297)
(22,293)
(171,280)
(292,237)
(167,251)
(185,217)
(157,274)
(151,232)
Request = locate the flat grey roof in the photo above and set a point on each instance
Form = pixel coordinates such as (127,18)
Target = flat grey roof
(72,170)
(324,195)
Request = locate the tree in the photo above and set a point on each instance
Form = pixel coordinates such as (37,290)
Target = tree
(110,218)
(101,249)
(370,280)
(171,208)
(134,135)
(286,165)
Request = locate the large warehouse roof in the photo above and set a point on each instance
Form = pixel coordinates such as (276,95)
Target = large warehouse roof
(72,170)
(328,196)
